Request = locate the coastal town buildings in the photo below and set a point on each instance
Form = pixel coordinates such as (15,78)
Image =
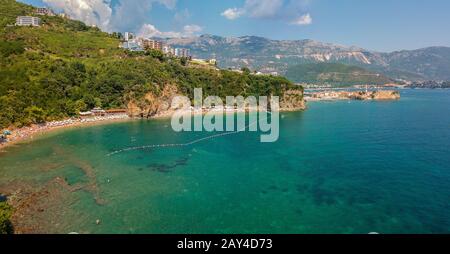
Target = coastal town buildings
(182,52)
(132,45)
(167,50)
(130,42)
(274,73)
(98,111)
(128,36)
(44,11)
(151,44)
(64,15)
(28,21)
(172,51)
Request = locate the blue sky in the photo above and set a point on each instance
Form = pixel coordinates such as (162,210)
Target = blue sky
(382,25)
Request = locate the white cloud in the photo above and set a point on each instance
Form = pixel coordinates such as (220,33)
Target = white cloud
(233,13)
(303,20)
(92,12)
(149,30)
(125,16)
(263,8)
(285,10)
(192,29)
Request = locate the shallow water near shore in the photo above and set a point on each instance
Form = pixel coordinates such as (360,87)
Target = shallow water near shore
(338,167)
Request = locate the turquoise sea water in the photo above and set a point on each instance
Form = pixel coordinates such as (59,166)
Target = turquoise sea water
(339,167)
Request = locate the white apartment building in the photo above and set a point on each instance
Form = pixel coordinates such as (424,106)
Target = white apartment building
(28,21)
(181,52)
(128,36)
(167,49)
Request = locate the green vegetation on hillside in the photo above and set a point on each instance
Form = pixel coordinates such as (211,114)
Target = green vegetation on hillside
(334,73)
(64,67)
(10,10)
(5,215)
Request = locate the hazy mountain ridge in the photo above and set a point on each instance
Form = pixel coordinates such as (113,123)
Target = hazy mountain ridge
(259,53)
(335,74)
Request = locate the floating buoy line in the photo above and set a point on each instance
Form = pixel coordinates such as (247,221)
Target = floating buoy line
(129,149)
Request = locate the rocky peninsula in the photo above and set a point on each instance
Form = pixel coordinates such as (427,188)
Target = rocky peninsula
(378,95)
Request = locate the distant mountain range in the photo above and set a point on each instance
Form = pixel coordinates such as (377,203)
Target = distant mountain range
(267,55)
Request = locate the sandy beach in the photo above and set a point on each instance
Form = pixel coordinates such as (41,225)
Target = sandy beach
(28,133)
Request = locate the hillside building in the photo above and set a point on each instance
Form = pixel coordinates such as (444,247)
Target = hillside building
(140,44)
(28,21)
(44,11)
(132,45)
(212,61)
(182,52)
(128,36)
(167,50)
(64,15)
(151,44)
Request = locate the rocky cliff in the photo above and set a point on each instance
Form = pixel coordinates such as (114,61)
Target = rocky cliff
(153,103)
(292,100)
(385,95)
(374,95)
(159,104)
